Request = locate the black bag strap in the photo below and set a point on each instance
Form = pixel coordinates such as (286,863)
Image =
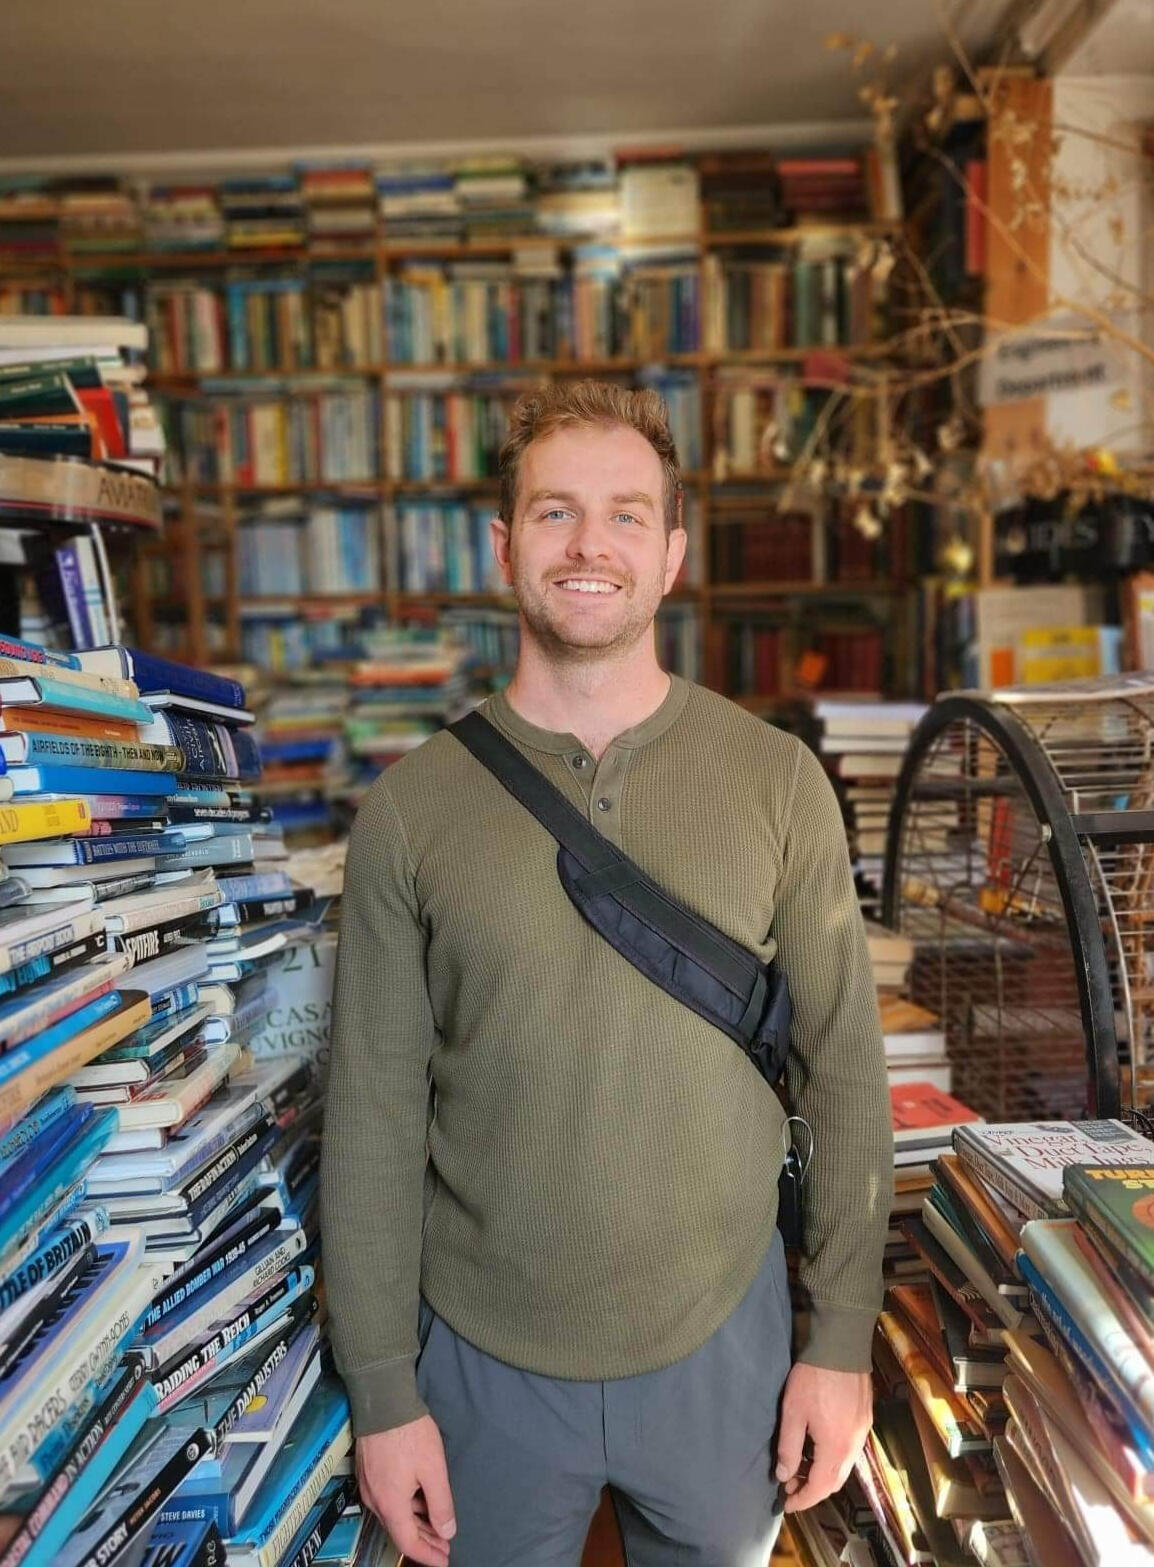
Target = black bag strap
(605,865)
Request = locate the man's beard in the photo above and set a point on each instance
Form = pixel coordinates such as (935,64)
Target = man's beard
(637,604)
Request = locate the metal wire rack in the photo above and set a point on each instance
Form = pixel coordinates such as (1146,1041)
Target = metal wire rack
(1020,860)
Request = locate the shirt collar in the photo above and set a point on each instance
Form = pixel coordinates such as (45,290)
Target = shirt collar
(501,712)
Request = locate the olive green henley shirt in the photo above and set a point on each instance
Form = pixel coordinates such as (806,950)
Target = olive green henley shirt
(591,1185)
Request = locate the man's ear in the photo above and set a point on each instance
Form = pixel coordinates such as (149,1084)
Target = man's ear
(674,555)
(499,535)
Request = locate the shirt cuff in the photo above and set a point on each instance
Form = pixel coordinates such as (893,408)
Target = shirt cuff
(840,1337)
(384,1395)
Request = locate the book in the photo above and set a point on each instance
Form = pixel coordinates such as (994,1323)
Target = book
(924,1115)
(57,779)
(36,720)
(26,820)
(1025,1160)
(45,690)
(959,1433)
(173,1101)
(92,851)
(1000,1230)
(153,674)
(1118,1204)
(47,749)
(26,1015)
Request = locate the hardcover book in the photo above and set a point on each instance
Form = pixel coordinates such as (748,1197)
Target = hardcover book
(1025,1160)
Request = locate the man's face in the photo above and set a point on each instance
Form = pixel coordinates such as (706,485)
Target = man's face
(587,555)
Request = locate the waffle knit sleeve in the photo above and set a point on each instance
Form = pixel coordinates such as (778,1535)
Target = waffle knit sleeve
(374,1142)
(836,1077)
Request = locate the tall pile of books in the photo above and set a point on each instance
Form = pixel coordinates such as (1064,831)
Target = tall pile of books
(163,1388)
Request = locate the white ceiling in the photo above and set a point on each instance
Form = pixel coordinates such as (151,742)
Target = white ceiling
(1120,44)
(92,82)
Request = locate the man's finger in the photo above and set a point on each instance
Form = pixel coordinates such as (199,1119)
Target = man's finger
(407,1537)
(790,1440)
(821,1482)
(438,1499)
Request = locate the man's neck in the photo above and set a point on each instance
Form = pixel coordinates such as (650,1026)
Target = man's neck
(596,700)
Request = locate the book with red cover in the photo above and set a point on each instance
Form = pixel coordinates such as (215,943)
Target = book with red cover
(920,1110)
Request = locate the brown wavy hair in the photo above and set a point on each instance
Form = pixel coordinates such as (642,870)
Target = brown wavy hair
(565,404)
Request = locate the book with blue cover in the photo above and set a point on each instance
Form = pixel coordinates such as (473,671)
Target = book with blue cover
(92,851)
(42,1114)
(65,697)
(155,674)
(86,780)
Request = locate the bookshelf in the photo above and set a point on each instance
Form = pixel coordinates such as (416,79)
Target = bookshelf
(286,327)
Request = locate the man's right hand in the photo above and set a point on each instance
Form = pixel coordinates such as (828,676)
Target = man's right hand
(404,1479)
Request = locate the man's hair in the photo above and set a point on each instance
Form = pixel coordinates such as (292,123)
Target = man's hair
(566,404)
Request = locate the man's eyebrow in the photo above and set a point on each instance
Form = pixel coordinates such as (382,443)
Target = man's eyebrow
(550,495)
(628,498)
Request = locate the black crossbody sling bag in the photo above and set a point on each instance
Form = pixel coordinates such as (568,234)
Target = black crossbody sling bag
(686,955)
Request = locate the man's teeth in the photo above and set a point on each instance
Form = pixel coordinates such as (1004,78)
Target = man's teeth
(577,585)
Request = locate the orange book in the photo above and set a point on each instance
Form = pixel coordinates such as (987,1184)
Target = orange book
(915,1302)
(918,1107)
(35,720)
(1002,1235)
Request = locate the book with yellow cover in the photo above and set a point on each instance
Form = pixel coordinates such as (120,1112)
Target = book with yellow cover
(29,819)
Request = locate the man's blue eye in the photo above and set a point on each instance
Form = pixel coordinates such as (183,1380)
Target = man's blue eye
(557,511)
(626,516)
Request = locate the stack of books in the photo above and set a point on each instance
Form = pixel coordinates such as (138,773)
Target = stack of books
(863,745)
(329,435)
(410,685)
(73,387)
(1014,1419)
(340,203)
(163,1388)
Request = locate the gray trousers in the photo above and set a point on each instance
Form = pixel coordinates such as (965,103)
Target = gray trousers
(687,1450)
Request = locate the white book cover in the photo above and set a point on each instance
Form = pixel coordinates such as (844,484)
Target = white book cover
(38,876)
(1024,1160)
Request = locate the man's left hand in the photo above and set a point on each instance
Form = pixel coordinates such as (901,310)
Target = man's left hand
(835,1410)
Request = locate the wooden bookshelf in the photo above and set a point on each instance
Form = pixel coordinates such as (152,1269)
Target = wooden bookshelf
(371,263)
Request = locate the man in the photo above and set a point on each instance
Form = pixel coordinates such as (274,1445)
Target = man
(550,1188)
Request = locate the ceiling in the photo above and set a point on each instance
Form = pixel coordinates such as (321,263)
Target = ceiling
(120,82)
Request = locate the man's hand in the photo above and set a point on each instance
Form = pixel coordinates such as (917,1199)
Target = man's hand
(404,1479)
(835,1410)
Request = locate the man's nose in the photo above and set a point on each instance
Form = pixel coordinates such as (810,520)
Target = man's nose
(589,538)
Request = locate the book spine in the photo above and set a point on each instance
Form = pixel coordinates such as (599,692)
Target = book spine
(74,751)
(27,1018)
(30,819)
(51,1401)
(72,587)
(180,1291)
(335,1502)
(1096,1216)
(42,1075)
(46,941)
(49,1110)
(225,1298)
(173,1384)
(58,1248)
(87,780)
(31,653)
(298,1509)
(140,1511)
(990,1171)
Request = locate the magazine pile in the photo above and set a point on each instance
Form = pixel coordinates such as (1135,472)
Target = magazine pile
(165,1393)
(1014,1373)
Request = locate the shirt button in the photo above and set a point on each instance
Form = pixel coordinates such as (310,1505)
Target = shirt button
(604,803)
(580,761)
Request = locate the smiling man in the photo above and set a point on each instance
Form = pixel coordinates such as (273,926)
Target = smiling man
(549,1187)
